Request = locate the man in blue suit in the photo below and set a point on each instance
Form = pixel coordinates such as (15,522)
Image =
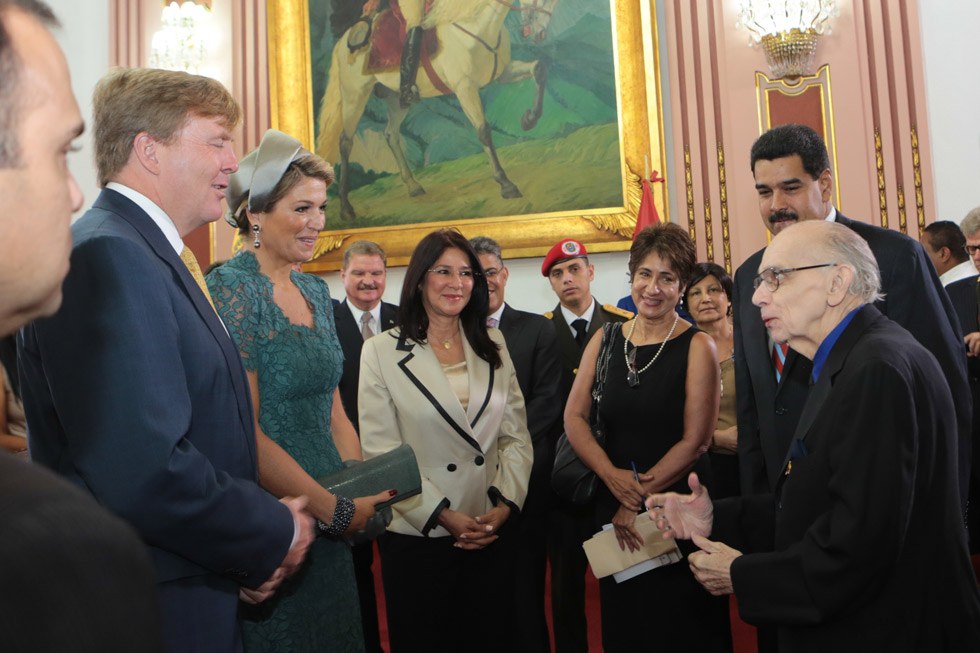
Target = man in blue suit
(134,390)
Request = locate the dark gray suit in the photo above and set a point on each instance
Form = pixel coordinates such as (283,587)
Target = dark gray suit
(963,295)
(533,347)
(349,333)
(74,577)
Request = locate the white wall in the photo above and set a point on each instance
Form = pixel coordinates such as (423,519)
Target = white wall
(84,36)
(526,290)
(951,94)
(952,97)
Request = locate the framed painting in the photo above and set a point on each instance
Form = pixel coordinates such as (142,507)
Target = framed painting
(528,121)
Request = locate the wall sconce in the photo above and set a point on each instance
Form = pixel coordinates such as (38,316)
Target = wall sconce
(181,43)
(788,31)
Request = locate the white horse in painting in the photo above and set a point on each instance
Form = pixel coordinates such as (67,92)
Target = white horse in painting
(474,51)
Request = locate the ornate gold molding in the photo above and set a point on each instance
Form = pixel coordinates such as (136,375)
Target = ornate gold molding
(709,239)
(880,165)
(723,191)
(689,182)
(901,209)
(917,175)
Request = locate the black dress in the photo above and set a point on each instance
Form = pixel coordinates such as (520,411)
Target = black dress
(664,607)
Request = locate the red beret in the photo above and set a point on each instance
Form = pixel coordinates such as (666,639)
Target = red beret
(561,252)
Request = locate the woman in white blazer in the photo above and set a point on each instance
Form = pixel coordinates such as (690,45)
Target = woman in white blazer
(443,383)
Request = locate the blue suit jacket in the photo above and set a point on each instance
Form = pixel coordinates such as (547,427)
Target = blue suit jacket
(135,392)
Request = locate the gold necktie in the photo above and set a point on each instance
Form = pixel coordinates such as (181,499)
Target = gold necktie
(187,256)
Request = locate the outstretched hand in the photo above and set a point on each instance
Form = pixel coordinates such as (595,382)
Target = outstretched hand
(683,516)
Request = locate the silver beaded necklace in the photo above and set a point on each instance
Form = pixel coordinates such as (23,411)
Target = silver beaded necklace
(633,376)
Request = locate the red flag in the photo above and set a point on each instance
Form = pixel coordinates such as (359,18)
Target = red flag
(647,215)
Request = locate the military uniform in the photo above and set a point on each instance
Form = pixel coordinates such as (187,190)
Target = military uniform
(570,525)
(571,352)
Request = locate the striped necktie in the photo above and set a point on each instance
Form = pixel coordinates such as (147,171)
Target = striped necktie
(779,358)
(187,256)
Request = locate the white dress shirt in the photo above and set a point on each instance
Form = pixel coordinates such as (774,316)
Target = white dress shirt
(571,317)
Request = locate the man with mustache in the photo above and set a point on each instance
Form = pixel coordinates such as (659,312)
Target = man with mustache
(793,179)
(360,316)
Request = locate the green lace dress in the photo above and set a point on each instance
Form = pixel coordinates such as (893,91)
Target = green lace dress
(298,368)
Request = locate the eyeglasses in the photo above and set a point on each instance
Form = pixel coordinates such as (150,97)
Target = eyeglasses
(771,276)
(491,273)
(971,249)
(464,274)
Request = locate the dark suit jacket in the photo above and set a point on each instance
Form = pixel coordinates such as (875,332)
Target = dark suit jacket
(135,392)
(864,542)
(963,297)
(74,577)
(349,333)
(571,352)
(533,347)
(914,299)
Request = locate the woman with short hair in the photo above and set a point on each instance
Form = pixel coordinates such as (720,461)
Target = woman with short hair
(708,300)
(659,406)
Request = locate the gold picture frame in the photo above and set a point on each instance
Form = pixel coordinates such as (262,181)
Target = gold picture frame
(641,134)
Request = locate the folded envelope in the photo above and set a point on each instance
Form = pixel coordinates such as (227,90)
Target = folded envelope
(607,558)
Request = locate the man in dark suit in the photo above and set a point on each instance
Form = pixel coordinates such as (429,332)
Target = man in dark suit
(74,576)
(576,319)
(945,244)
(792,176)
(134,390)
(863,542)
(533,347)
(963,296)
(360,316)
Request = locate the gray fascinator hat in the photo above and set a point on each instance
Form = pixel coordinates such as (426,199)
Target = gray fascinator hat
(260,171)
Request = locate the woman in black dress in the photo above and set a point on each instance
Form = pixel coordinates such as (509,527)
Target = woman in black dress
(660,406)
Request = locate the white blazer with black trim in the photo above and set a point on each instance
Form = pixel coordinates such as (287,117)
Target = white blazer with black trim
(405,397)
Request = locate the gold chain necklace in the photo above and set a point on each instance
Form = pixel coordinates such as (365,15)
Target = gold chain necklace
(448,342)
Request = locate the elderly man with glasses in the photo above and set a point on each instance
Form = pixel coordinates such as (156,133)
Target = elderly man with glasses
(793,180)
(862,542)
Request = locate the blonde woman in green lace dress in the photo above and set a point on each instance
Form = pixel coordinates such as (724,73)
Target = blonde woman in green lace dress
(282,321)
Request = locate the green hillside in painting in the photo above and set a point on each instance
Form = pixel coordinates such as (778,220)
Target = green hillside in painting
(589,177)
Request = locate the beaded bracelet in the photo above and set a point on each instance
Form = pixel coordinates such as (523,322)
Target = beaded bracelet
(343,513)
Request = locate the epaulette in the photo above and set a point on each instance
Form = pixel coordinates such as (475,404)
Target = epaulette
(549,314)
(616,310)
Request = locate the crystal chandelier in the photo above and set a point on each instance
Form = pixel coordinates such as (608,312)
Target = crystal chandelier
(181,44)
(788,31)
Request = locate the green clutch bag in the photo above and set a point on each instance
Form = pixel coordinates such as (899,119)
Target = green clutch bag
(395,470)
